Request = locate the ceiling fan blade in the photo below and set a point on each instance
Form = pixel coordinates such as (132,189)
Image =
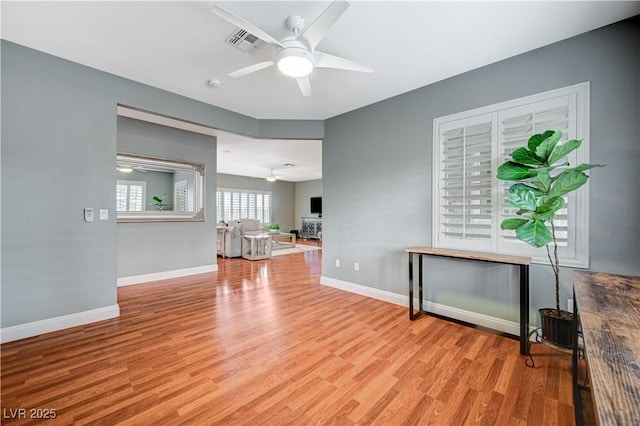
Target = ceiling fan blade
(251,68)
(239,22)
(305,86)
(319,28)
(324,60)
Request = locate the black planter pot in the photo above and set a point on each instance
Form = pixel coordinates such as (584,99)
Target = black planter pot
(557,328)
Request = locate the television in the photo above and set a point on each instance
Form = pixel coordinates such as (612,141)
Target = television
(316,205)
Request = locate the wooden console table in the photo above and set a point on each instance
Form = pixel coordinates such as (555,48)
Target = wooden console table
(607,308)
(520,261)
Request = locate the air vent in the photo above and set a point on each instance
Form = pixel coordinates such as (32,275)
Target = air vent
(244,41)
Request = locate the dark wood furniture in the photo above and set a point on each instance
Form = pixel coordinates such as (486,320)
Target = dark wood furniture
(521,261)
(607,308)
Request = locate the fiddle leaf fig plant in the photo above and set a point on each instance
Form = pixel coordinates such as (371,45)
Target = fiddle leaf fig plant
(159,201)
(543,177)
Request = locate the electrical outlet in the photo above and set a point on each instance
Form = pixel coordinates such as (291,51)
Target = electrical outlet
(356,266)
(570,305)
(337,263)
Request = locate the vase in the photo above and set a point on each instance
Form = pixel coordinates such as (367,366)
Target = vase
(557,327)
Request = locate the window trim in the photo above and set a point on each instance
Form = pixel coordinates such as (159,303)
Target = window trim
(580,226)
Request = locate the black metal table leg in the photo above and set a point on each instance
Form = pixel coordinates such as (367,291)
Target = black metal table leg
(420,308)
(524,308)
(411,317)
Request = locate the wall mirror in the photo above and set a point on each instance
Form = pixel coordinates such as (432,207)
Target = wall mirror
(150,189)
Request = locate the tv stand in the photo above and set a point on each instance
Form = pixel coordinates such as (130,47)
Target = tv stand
(310,227)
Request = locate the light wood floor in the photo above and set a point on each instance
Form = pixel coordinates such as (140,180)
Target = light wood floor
(264,343)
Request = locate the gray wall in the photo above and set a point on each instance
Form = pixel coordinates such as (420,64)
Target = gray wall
(377,173)
(283,194)
(304,191)
(165,246)
(59,146)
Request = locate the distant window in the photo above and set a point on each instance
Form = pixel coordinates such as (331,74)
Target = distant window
(130,195)
(234,204)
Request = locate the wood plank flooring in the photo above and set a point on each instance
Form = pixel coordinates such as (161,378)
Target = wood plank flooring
(264,343)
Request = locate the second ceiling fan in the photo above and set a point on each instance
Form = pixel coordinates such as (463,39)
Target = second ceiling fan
(296,54)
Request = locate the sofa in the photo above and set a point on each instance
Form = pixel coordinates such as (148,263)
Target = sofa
(229,235)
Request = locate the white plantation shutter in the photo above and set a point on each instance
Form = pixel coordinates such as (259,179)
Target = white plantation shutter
(470,202)
(219,215)
(465,181)
(252,206)
(130,195)
(234,204)
(180,196)
(122,194)
(516,125)
(259,211)
(266,207)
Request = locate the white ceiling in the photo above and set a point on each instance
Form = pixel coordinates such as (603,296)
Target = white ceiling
(178,46)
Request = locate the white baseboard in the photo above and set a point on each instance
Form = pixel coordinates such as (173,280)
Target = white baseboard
(22,331)
(387,296)
(165,275)
(498,324)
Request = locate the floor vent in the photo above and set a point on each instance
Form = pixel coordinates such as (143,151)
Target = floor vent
(244,41)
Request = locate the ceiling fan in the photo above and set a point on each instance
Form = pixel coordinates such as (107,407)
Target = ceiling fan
(296,54)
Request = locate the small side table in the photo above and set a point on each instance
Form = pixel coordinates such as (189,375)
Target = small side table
(256,247)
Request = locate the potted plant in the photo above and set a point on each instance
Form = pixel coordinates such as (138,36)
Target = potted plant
(543,179)
(274,228)
(159,202)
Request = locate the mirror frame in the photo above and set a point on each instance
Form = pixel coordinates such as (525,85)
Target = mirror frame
(166,216)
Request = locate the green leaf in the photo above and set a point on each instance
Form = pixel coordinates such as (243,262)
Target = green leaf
(544,216)
(563,150)
(513,223)
(544,150)
(535,233)
(156,198)
(548,209)
(552,204)
(537,139)
(584,166)
(542,181)
(524,156)
(567,181)
(523,197)
(515,171)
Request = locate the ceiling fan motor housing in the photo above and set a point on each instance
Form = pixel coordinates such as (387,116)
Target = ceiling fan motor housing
(294,23)
(294,59)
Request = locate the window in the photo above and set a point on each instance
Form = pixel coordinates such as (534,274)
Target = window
(234,204)
(181,199)
(130,195)
(470,202)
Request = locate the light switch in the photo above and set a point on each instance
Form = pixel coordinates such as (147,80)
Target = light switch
(88,214)
(104,214)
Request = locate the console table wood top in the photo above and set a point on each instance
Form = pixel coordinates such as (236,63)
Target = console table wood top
(475,255)
(609,308)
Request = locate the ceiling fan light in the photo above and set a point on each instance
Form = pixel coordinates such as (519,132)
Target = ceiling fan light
(295,62)
(271,177)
